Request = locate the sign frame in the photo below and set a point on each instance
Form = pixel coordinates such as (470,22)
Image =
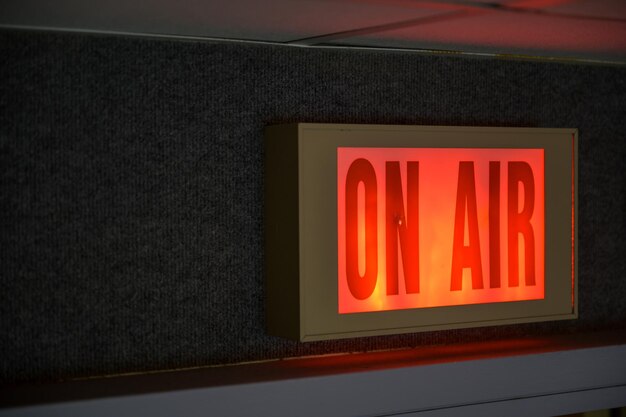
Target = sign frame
(301,254)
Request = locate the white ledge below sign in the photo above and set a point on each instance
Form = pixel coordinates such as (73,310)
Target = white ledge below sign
(531,376)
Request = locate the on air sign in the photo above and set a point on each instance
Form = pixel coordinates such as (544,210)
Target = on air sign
(374,229)
(439,227)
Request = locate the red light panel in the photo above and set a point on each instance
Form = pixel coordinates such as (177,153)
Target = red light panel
(432,227)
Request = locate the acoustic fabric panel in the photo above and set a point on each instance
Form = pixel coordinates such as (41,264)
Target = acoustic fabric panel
(131,188)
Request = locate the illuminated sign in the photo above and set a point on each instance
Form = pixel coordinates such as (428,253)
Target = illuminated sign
(390,229)
(439,227)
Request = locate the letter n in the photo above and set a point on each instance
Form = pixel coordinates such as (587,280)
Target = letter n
(403,226)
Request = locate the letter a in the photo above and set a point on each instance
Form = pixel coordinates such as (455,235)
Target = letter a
(466,256)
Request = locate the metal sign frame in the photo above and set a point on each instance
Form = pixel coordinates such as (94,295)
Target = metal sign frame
(301,229)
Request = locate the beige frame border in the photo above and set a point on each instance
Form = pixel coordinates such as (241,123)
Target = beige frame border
(301,229)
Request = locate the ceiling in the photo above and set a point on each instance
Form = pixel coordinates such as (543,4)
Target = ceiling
(568,29)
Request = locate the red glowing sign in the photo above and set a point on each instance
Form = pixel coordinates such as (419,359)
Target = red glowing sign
(432,227)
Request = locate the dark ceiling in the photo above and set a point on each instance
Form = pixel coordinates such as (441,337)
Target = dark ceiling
(575,29)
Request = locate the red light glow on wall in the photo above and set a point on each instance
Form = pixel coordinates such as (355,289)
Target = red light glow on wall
(431,227)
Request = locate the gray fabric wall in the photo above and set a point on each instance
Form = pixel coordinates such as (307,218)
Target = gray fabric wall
(131,188)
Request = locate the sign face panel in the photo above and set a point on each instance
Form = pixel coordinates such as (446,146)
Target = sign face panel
(377,229)
(427,227)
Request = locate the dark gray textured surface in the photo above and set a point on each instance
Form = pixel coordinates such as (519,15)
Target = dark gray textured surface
(131,185)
